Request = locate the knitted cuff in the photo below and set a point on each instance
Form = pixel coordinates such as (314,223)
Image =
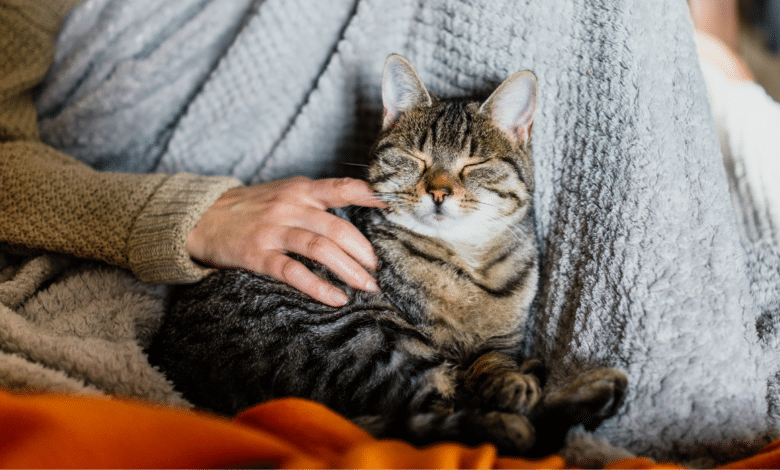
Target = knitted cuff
(157,246)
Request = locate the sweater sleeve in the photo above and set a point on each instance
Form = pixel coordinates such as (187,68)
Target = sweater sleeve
(52,202)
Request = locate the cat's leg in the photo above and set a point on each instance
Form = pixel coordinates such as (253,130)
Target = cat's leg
(501,387)
(512,433)
(432,417)
(497,382)
(588,400)
(429,414)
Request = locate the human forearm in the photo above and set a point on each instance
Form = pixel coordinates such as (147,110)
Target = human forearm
(140,222)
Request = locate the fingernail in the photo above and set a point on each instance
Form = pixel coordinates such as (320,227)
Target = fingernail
(338,298)
(371,286)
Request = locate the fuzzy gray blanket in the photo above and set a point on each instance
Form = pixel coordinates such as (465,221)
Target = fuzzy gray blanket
(643,267)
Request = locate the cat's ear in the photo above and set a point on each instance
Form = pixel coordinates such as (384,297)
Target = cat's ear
(402,90)
(511,107)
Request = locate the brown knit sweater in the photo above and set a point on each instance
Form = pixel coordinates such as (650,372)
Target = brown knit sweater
(50,201)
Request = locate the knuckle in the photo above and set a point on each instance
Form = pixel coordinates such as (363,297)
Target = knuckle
(276,209)
(298,184)
(252,259)
(267,263)
(349,188)
(260,238)
(343,184)
(341,231)
(289,269)
(317,247)
(300,179)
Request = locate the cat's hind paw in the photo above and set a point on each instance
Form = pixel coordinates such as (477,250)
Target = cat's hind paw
(497,383)
(590,399)
(597,395)
(511,391)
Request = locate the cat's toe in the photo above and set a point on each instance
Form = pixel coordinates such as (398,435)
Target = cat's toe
(512,391)
(535,368)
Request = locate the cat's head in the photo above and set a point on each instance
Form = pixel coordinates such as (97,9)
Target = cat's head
(454,169)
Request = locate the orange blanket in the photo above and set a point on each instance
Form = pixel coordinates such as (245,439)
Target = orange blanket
(60,431)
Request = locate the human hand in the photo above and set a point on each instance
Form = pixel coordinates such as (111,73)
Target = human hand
(254,227)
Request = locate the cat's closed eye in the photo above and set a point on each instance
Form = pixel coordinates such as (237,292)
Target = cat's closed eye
(478,168)
(401,160)
(421,160)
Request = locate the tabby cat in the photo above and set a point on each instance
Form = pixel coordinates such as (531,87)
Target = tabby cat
(434,355)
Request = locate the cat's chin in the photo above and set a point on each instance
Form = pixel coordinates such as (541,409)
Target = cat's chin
(453,229)
(430,223)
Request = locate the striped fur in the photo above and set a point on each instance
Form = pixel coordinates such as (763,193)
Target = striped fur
(434,355)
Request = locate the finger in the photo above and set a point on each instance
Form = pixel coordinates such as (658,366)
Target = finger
(324,251)
(343,233)
(340,192)
(289,271)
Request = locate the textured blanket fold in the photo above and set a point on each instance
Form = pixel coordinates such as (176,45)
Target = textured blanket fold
(642,263)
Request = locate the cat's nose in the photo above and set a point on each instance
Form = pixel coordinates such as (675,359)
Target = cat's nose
(439,187)
(439,195)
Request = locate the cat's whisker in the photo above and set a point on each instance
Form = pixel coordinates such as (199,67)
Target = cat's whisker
(476,201)
(384,197)
(387,197)
(362,165)
(391,196)
(512,230)
(516,231)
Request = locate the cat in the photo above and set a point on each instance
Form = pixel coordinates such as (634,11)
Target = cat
(434,355)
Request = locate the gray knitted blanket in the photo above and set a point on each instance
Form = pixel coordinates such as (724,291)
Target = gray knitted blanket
(643,267)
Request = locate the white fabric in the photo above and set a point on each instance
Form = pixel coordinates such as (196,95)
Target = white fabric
(748,122)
